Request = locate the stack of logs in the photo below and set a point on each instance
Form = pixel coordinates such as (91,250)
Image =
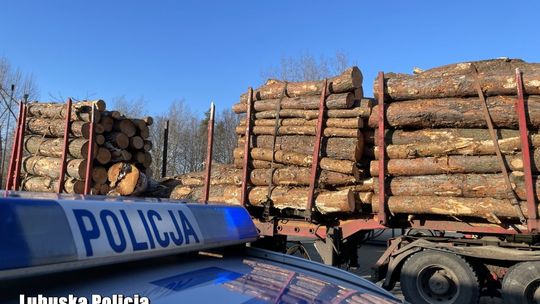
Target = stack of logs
(441,158)
(117,140)
(292,148)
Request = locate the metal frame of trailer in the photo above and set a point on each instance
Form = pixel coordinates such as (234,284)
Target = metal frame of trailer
(13,182)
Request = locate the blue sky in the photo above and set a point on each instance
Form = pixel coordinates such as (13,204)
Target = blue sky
(214,50)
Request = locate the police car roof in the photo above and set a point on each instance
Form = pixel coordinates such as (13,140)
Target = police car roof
(42,233)
(246,276)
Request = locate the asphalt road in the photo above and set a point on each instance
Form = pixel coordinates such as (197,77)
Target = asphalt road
(368,255)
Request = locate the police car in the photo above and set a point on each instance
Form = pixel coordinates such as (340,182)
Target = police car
(60,249)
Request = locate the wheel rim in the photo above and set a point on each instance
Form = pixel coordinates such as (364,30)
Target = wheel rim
(437,284)
(532,292)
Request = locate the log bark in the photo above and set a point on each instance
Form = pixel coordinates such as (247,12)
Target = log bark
(79,110)
(302,130)
(333,101)
(100,139)
(147,145)
(348,81)
(296,198)
(55,127)
(332,147)
(422,136)
(457,113)
(496,77)
(50,166)
(48,184)
(458,185)
(453,164)
(362,110)
(491,209)
(343,123)
(38,145)
(298,176)
(298,159)
(458,146)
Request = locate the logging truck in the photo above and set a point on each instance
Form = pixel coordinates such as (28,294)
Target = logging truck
(458,246)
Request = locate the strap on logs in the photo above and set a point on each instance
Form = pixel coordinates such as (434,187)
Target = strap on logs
(209,154)
(316,153)
(509,189)
(532,212)
(67,128)
(382,214)
(268,203)
(247,143)
(90,155)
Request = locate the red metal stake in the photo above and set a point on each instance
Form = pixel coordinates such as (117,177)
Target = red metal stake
(532,213)
(209,152)
(316,153)
(14,149)
(245,169)
(11,166)
(60,188)
(20,142)
(90,156)
(380,136)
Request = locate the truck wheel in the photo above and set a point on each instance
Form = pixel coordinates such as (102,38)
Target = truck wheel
(438,277)
(521,284)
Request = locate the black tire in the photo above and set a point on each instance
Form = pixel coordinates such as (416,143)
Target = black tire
(521,284)
(438,277)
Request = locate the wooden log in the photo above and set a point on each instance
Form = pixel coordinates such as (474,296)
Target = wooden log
(423,136)
(458,185)
(126,179)
(107,122)
(457,113)
(491,209)
(348,81)
(50,166)
(496,77)
(298,159)
(100,139)
(257,164)
(79,110)
(99,129)
(296,198)
(142,128)
(113,114)
(147,160)
(331,147)
(39,145)
(99,175)
(299,176)
(458,146)
(136,142)
(148,120)
(125,126)
(333,101)
(103,156)
(48,184)
(453,164)
(118,155)
(343,123)
(362,110)
(302,130)
(118,139)
(147,145)
(55,127)
(105,188)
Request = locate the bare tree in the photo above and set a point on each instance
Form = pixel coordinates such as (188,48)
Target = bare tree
(22,84)
(130,107)
(307,67)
